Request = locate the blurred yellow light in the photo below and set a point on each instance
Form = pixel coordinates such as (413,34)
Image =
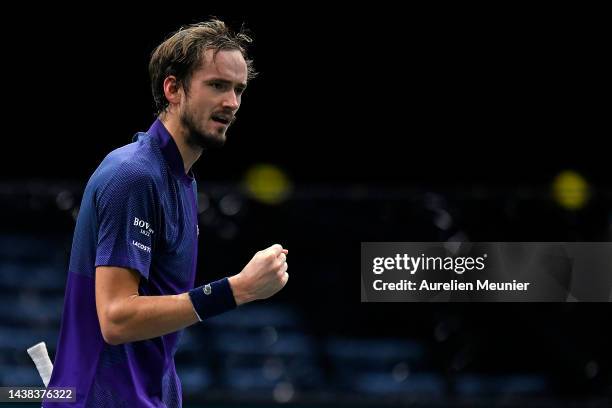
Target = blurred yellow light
(267,183)
(570,190)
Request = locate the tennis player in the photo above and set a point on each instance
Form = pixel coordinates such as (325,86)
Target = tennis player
(129,291)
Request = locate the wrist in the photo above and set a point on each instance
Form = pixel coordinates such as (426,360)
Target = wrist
(212,299)
(240,294)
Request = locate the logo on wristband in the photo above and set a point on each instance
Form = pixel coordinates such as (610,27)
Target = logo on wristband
(207,290)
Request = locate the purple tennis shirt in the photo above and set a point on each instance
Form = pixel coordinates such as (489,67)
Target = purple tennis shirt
(139,211)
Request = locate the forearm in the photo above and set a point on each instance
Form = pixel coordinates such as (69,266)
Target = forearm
(144,317)
(126,316)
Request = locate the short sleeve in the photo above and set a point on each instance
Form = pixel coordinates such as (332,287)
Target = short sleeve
(127,221)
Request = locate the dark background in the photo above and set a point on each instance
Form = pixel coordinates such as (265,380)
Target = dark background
(380,117)
(377,95)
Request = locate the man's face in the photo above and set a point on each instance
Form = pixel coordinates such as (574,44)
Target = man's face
(214,96)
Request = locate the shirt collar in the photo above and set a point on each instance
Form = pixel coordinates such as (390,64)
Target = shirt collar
(170,151)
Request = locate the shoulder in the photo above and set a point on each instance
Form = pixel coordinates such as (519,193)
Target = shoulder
(129,169)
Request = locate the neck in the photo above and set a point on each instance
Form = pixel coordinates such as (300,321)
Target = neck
(189,153)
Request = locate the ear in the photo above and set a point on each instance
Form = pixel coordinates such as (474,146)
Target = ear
(172,89)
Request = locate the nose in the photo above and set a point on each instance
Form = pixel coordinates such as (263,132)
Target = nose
(231,101)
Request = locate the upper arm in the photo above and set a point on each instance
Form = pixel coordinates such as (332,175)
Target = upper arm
(127,219)
(114,285)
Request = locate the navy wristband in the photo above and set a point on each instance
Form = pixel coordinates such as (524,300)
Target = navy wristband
(212,299)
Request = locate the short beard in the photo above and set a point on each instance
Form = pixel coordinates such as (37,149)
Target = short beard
(196,137)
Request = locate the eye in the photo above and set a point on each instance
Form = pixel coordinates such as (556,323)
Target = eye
(217,85)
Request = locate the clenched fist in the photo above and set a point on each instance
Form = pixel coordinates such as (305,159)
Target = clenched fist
(262,277)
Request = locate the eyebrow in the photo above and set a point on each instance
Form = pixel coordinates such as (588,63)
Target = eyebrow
(226,82)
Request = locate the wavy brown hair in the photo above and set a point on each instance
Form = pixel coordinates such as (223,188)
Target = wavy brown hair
(180,54)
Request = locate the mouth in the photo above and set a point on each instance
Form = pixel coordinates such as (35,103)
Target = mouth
(225,120)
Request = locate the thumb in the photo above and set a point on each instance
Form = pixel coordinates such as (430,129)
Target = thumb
(276,249)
